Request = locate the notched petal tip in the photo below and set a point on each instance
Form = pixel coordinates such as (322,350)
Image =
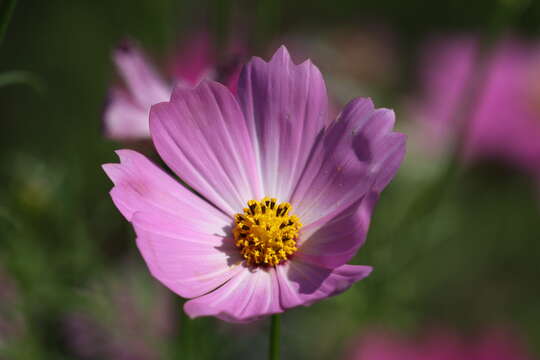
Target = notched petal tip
(126,50)
(181,90)
(156,108)
(114,170)
(118,171)
(179,93)
(109,169)
(281,54)
(368,270)
(126,156)
(126,46)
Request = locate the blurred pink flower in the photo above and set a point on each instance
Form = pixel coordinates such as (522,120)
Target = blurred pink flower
(504,122)
(127,317)
(495,344)
(240,254)
(126,112)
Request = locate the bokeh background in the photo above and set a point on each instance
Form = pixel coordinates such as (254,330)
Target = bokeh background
(455,239)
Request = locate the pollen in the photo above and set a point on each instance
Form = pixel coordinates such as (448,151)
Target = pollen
(266,233)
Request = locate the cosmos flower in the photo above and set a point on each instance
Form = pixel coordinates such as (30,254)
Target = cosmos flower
(126,113)
(441,344)
(284,204)
(503,123)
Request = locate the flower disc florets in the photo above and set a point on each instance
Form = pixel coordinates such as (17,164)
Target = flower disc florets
(265,233)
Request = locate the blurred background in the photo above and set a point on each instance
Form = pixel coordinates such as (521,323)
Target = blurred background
(455,239)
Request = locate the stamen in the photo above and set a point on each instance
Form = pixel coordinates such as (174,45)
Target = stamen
(265,234)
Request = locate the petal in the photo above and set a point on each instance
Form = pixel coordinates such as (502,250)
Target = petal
(333,240)
(304,284)
(143,82)
(124,118)
(358,154)
(183,239)
(249,295)
(126,112)
(142,186)
(202,136)
(186,260)
(447,67)
(285,106)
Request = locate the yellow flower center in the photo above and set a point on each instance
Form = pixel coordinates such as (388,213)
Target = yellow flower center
(265,233)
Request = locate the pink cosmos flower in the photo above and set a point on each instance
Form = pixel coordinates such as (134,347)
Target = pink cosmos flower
(286,202)
(494,344)
(504,123)
(126,112)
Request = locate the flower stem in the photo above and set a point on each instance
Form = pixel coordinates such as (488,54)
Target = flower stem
(273,349)
(186,334)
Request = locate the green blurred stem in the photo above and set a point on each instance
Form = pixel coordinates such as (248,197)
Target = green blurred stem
(6,10)
(275,329)
(185,334)
(22,77)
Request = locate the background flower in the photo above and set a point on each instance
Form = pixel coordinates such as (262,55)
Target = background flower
(485,101)
(440,344)
(126,111)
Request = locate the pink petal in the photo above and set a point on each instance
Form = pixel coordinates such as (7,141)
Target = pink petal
(183,239)
(285,106)
(333,240)
(126,113)
(124,118)
(142,186)
(144,84)
(201,134)
(304,284)
(189,262)
(249,295)
(358,154)
(448,68)
(508,132)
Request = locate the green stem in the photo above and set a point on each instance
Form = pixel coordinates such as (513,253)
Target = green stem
(273,349)
(6,10)
(186,336)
